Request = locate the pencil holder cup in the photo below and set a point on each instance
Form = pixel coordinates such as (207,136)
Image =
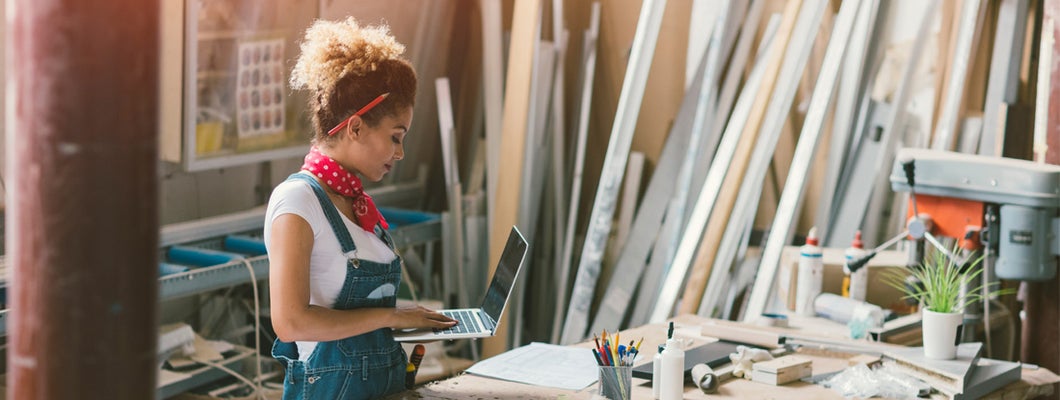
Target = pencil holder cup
(616,383)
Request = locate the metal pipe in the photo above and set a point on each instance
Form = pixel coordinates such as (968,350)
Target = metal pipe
(82,116)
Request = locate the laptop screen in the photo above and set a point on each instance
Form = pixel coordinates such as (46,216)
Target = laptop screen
(504,277)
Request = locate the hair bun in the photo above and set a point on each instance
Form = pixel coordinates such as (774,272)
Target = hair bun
(332,49)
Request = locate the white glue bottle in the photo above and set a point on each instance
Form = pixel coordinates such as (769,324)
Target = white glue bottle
(855,283)
(673,369)
(811,275)
(656,373)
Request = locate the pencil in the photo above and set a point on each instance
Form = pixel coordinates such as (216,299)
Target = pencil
(596,355)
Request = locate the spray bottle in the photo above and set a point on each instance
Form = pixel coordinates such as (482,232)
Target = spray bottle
(811,275)
(855,283)
(656,373)
(673,369)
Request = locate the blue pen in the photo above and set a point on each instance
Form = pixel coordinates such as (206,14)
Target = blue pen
(622,351)
(607,351)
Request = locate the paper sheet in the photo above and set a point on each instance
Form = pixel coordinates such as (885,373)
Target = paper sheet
(542,364)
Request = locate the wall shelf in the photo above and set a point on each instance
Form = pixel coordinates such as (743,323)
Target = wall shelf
(208,233)
(205,374)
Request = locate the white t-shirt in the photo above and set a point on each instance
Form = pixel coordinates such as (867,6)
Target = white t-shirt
(327,263)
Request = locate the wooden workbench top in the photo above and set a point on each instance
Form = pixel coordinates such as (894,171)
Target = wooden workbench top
(465,386)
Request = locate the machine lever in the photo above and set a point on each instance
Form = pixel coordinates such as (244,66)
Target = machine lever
(856,264)
(938,245)
(910,177)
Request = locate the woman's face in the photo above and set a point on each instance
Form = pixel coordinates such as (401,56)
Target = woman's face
(372,151)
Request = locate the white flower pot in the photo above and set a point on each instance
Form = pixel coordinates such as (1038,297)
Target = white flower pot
(941,334)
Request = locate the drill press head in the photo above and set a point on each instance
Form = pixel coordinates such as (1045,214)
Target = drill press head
(956,190)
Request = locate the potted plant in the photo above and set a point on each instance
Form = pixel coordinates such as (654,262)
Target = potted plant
(936,286)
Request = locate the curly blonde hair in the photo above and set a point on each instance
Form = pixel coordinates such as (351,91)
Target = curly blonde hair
(345,66)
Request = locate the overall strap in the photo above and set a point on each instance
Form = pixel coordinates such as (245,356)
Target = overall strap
(385,235)
(334,219)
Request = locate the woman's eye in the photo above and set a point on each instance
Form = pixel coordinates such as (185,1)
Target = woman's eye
(396,139)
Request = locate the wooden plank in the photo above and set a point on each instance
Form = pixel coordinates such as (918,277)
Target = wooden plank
(630,267)
(947,34)
(171,80)
(791,199)
(559,154)
(852,81)
(703,18)
(965,47)
(586,95)
(779,100)
(630,194)
(739,18)
(513,143)
(771,254)
(796,61)
(493,89)
(1004,71)
(645,308)
(741,220)
(704,113)
(535,172)
(666,83)
(574,329)
(677,271)
(455,256)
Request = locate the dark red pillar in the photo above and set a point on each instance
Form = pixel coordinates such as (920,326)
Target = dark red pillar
(1040,326)
(82,213)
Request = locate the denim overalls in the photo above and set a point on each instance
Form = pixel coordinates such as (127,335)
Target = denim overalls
(369,365)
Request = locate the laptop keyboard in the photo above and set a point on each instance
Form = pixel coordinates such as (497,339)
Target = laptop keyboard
(466,322)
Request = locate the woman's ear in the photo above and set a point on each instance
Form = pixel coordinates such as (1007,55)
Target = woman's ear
(356,123)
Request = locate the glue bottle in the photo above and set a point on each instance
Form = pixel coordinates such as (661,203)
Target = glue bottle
(855,283)
(656,373)
(811,274)
(673,369)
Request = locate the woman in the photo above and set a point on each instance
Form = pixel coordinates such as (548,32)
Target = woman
(333,271)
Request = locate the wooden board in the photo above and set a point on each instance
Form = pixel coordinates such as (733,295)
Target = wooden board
(578,313)
(171,82)
(726,198)
(513,143)
(467,386)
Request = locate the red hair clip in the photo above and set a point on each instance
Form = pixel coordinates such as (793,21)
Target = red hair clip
(366,108)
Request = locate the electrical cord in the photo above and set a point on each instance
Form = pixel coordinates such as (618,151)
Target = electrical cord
(406,276)
(256,387)
(1013,320)
(257,329)
(222,368)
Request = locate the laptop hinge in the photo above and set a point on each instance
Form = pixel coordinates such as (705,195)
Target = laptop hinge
(487,320)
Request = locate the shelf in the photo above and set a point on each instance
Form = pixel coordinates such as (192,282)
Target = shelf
(240,34)
(208,233)
(205,374)
(201,280)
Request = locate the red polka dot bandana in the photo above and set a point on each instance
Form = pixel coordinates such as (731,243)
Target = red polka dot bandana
(347,184)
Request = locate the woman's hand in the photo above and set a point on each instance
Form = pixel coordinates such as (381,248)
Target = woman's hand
(418,317)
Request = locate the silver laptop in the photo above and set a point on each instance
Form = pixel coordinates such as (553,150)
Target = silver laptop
(480,322)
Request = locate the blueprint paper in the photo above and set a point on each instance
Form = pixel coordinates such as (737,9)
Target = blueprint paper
(542,364)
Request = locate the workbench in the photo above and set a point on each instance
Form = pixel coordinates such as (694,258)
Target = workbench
(1035,381)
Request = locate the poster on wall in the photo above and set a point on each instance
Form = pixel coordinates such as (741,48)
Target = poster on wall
(260,88)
